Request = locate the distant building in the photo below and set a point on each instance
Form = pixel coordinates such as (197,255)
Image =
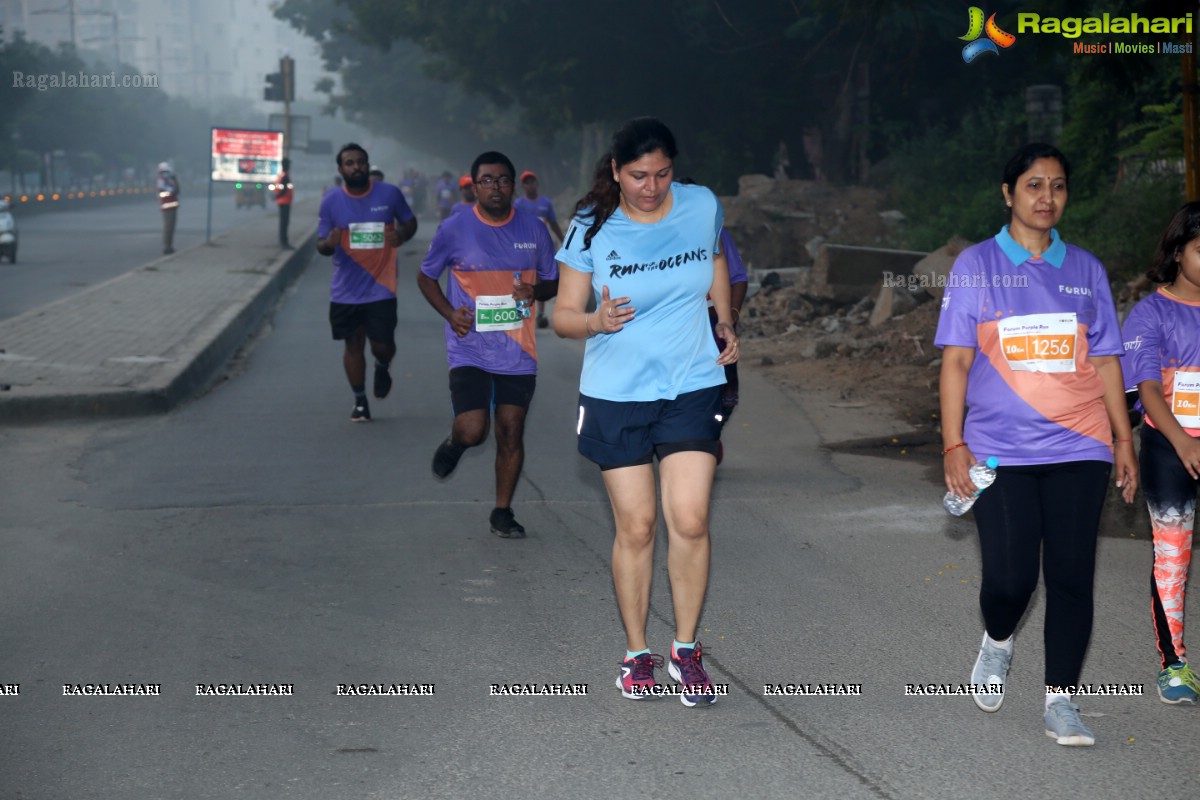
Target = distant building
(201,50)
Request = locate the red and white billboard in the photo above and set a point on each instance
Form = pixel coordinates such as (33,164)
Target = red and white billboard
(246,155)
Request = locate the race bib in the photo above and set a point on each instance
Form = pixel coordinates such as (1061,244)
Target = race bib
(366,235)
(1039,342)
(497,312)
(1185,399)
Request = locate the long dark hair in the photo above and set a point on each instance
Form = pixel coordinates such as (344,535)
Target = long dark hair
(633,140)
(1183,228)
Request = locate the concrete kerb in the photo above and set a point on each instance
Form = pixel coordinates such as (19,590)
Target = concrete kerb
(193,369)
(212,356)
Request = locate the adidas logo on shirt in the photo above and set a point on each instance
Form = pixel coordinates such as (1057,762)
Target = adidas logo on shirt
(613,256)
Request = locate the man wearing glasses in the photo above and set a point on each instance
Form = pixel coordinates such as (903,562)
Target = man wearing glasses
(499,260)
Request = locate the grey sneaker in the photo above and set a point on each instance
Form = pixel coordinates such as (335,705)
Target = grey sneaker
(1064,726)
(990,672)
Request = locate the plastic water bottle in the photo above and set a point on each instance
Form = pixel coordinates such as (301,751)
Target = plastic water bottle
(983,474)
(523,308)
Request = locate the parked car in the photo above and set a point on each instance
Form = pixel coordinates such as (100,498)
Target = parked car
(250,194)
(8,232)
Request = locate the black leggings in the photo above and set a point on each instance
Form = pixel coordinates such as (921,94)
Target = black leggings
(1054,508)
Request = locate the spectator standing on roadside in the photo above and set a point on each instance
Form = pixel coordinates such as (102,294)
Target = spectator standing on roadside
(168,202)
(283,200)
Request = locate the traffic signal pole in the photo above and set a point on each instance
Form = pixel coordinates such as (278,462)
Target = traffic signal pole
(286,67)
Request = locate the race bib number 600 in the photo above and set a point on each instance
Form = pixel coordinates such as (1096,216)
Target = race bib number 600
(1039,342)
(497,313)
(366,235)
(1185,399)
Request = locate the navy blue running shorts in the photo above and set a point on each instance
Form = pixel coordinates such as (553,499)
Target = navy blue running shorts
(377,318)
(616,434)
(472,389)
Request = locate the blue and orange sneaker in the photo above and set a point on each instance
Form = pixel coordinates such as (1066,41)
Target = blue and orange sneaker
(636,680)
(687,668)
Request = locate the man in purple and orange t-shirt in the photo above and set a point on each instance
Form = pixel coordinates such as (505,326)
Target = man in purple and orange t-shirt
(499,259)
(361,225)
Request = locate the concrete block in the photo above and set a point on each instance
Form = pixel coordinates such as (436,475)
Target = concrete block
(846,273)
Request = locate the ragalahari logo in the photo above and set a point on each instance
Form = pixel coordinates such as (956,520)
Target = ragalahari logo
(976,28)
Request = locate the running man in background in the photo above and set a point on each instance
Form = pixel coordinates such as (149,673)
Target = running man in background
(466,189)
(738,284)
(543,209)
(445,195)
(361,225)
(491,348)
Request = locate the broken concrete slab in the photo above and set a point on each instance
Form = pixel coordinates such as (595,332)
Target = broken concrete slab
(931,272)
(846,273)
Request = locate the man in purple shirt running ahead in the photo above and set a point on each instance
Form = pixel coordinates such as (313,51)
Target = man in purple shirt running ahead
(361,224)
(499,259)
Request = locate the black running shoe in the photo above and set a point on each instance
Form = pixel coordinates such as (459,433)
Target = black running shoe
(383,380)
(542,321)
(445,459)
(505,525)
(361,412)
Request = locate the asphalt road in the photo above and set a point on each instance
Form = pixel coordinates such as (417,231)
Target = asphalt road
(62,252)
(256,536)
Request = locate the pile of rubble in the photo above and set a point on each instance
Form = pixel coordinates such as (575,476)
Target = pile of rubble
(783,223)
(831,281)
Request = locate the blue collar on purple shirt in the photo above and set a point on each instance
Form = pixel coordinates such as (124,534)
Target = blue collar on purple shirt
(1054,255)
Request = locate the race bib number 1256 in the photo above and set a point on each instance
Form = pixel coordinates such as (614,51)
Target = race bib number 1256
(1039,342)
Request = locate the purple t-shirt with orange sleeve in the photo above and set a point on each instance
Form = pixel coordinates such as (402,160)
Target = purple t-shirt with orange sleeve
(481,257)
(1162,343)
(364,264)
(1032,395)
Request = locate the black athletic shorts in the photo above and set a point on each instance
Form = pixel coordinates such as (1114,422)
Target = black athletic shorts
(378,318)
(472,389)
(625,434)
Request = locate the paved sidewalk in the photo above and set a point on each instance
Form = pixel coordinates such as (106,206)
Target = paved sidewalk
(149,339)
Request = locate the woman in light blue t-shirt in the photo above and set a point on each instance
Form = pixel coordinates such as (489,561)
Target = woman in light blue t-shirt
(646,249)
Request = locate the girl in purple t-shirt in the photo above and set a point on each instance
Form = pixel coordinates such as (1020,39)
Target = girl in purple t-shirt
(1162,359)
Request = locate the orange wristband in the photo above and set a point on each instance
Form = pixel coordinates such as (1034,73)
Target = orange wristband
(954,447)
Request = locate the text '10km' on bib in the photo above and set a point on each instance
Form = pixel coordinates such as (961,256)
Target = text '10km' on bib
(1185,399)
(1039,342)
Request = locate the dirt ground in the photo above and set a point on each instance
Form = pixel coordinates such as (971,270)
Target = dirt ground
(890,371)
(871,389)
